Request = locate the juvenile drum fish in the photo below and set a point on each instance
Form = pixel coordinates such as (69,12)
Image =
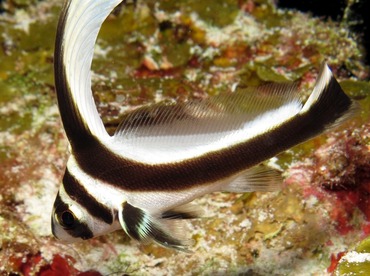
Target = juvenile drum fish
(162,156)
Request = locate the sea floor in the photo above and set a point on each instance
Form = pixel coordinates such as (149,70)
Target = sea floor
(317,224)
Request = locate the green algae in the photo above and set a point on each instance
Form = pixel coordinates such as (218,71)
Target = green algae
(40,37)
(123,265)
(347,269)
(266,73)
(26,72)
(216,13)
(359,263)
(364,246)
(357,90)
(11,5)
(31,95)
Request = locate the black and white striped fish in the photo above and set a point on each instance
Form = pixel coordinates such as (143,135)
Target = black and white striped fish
(163,156)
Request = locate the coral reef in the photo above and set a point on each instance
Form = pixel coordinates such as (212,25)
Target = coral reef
(165,50)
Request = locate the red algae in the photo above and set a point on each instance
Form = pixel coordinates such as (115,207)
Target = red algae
(338,176)
(366,229)
(25,264)
(35,265)
(334,260)
(64,266)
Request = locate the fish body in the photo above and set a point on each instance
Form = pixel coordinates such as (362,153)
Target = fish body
(163,156)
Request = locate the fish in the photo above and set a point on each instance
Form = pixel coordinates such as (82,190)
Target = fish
(143,178)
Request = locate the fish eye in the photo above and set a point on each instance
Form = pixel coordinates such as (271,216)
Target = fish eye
(67,219)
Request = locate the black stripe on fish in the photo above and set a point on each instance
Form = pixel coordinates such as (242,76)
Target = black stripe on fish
(78,193)
(79,229)
(326,110)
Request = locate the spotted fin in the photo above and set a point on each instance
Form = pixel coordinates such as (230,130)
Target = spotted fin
(165,229)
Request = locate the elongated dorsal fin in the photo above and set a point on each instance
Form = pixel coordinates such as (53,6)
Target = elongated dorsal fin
(78,28)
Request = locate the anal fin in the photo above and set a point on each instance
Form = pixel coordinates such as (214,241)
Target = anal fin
(186,211)
(164,229)
(259,178)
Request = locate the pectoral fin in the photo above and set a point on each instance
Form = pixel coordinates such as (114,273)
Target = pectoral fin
(166,229)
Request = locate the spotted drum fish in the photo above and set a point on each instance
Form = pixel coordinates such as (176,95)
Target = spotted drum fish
(162,156)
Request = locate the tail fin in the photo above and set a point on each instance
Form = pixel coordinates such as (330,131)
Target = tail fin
(328,104)
(327,107)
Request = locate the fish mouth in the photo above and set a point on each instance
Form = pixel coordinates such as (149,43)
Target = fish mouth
(53,230)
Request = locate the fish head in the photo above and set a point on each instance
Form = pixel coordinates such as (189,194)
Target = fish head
(79,213)
(69,222)
(77,216)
